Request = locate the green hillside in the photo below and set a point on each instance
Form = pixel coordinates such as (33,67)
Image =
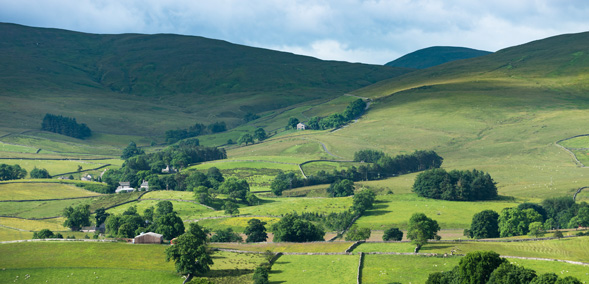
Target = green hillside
(145,84)
(435,55)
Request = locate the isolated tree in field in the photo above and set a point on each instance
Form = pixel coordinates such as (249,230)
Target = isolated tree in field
(557,234)
(76,218)
(260,134)
(341,188)
(246,138)
(485,224)
(131,151)
(189,252)
(293,228)
(40,173)
(255,231)
(476,267)
(357,234)
(231,208)
(392,234)
(363,200)
(421,229)
(226,236)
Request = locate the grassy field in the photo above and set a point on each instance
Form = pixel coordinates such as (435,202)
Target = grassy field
(288,247)
(315,269)
(415,269)
(77,262)
(169,194)
(396,209)
(7,234)
(55,224)
(34,191)
(186,210)
(237,224)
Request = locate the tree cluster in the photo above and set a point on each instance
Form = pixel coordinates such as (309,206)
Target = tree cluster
(46,234)
(173,136)
(487,267)
(293,228)
(335,120)
(384,167)
(530,218)
(455,185)
(66,126)
(39,173)
(9,172)
(226,236)
(76,218)
(162,219)
(149,167)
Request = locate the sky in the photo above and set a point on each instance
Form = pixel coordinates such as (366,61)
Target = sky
(366,31)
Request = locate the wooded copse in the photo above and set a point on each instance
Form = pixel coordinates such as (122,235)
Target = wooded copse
(455,185)
(66,126)
(335,120)
(173,136)
(384,167)
(9,172)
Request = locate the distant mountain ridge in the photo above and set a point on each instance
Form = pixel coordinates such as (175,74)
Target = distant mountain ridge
(169,77)
(435,55)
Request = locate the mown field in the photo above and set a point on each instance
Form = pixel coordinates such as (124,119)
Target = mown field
(36,191)
(61,262)
(315,269)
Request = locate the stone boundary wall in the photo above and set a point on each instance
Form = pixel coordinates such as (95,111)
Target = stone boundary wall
(59,240)
(569,151)
(354,245)
(548,259)
(360,266)
(578,191)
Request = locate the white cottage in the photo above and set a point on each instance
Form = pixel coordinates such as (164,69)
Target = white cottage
(301,126)
(124,186)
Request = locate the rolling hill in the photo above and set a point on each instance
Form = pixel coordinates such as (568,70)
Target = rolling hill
(435,55)
(145,84)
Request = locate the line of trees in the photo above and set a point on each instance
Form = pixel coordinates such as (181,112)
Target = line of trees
(66,126)
(530,218)
(482,267)
(173,136)
(9,172)
(455,185)
(384,167)
(335,120)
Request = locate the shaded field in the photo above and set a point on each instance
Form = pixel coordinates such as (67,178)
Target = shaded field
(416,269)
(396,209)
(288,247)
(33,191)
(315,269)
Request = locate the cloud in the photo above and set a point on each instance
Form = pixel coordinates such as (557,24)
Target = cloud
(371,31)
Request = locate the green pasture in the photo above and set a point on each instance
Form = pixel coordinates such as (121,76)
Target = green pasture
(416,269)
(34,191)
(575,249)
(237,224)
(582,156)
(396,209)
(4,147)
(7,234)
(577,142)
(38,209)
(403,268)
(297,146)
(54,224)
(58,167)
(169,194)
(315,269)
(55,143)
(279,206)
(314,247)
(89,275)
(314,167)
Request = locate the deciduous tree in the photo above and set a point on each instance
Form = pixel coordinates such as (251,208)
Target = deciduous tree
(421,229)
(255,231)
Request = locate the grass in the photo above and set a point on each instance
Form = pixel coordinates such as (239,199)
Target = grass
(237,224)
(186,210)
(56,168)
(77,262)
(416,269)
(54,225)
(315,269)
(396,209)
(33,191)
(38,209)
(7,234)
(314,247)
(575,249)
(402,268)
(169,194)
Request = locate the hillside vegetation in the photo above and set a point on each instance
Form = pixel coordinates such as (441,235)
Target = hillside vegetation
(435,55)
(147,84)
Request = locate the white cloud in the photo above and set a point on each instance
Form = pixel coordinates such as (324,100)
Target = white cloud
(372,31)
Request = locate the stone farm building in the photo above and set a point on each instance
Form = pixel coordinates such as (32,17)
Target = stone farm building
(301,126)
(148,238)
(124,186)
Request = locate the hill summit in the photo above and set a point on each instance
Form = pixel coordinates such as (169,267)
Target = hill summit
(435,55)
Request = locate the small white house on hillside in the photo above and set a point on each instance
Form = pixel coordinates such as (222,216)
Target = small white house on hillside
(301,126)
(124,186)
(144,186)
